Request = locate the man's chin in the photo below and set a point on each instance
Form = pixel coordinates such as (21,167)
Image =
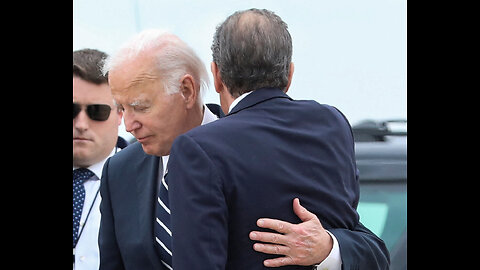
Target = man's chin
(150,149)
(80,160)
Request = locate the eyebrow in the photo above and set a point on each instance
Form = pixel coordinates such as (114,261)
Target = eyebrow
(139,102)
(134,103)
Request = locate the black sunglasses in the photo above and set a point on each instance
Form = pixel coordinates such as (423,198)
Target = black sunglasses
(97,112)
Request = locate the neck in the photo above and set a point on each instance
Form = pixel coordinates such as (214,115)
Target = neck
(226,100)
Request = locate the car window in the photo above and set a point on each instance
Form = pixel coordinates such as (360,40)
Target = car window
(373,215)
(383,209)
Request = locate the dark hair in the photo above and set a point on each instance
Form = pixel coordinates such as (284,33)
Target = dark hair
(88,63)
(252,49)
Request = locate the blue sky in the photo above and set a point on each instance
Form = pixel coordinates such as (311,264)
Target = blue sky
(347,53)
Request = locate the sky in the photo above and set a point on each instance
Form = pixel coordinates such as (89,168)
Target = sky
(350,54)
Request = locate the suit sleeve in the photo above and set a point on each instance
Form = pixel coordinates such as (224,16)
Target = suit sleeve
(198,208)
(361,249)
(109,253)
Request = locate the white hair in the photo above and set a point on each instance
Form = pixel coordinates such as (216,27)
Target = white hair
(174,58)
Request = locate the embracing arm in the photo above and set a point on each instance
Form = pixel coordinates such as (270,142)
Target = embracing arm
(308,243)
(361,248)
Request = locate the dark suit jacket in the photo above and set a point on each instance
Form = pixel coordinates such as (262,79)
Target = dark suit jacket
(252,163)
(128,191)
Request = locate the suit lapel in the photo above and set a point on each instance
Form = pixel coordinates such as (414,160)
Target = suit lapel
(146,193)
(258,96)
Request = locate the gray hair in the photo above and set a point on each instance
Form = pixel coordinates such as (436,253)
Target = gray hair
(174,59)
(252,49)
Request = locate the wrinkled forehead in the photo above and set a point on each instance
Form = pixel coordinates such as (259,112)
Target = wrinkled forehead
(138,90)
(133,74)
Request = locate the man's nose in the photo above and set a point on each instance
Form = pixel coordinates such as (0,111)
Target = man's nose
(80,122)
(131,124)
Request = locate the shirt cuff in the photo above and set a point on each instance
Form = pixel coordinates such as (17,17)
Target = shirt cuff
(333,260)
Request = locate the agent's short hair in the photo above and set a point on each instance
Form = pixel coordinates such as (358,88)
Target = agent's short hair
(88,63)
(252,49)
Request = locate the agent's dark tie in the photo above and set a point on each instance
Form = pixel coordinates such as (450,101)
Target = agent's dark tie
(79,176)
(163,235)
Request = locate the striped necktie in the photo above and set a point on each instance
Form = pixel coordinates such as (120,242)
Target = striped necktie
(163,235)
(79,176)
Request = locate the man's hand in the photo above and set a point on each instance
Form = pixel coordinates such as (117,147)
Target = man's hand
(306,243)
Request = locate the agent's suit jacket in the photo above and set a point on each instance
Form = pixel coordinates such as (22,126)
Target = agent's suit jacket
(252,163)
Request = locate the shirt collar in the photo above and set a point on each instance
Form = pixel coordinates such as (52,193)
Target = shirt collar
(208,116)
(97,168)
(237,100)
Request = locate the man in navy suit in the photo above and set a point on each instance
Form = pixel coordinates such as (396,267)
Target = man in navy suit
(268,150)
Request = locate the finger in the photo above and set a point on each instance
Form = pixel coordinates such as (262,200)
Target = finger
(277,262)
(274,224)
(271,249)
(267,237)
(301,211)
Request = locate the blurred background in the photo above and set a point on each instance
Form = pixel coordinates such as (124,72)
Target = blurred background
(347,53)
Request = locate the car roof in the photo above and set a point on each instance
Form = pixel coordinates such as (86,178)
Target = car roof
(380,152)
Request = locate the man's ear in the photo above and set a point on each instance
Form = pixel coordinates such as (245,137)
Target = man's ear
(217,79)
(188,91)
(290,75)
(226,98)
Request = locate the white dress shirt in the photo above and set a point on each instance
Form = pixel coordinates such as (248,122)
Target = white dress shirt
(333,260)
(87,255)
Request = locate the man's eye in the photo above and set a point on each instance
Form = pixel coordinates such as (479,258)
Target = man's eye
(140,108)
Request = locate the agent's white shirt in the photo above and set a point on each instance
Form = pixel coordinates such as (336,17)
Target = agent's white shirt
(87,254)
